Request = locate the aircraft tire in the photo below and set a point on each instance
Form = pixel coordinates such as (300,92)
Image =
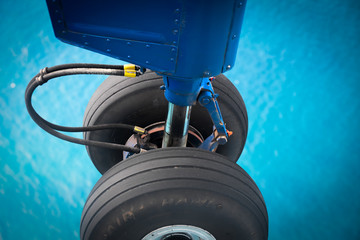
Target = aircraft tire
(148,196)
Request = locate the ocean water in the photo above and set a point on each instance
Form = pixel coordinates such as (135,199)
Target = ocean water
(298,71)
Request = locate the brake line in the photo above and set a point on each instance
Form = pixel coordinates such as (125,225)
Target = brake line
(47,74)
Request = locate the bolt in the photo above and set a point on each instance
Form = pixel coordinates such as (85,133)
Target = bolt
(205,100)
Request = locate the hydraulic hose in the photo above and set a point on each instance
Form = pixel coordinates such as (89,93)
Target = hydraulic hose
(71,69)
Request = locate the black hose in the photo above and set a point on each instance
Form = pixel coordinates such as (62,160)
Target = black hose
(73,71)
(63,70)
(86,65)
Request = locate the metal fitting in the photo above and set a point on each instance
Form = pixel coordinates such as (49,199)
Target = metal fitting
(205,100)
(221,140)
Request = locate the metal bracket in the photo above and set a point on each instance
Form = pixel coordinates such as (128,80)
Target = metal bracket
(210,143)
(207,99)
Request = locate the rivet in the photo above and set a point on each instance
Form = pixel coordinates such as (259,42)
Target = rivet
(175,31)
(234,36)
(86,43)
(147,45)
(176,21)
(129,56)
(228,67)
(177,10)
(108,40)
(108,50)
(128,43)
(173,49)
(171,59)
(147,62)
(63,31)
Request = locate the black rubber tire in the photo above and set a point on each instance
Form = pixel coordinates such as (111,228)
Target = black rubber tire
(139,101)
(175,186)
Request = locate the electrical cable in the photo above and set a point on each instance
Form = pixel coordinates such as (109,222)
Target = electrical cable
(71,69)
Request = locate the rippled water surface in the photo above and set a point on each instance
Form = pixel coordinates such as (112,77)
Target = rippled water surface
(298,71)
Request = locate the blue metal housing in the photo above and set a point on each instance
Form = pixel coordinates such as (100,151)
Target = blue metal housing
(183,40)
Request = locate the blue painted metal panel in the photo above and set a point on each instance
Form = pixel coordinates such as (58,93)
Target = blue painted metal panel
(234,35)
(139,32)
(184,40)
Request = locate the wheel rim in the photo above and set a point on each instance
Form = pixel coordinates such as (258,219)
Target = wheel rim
(179,232)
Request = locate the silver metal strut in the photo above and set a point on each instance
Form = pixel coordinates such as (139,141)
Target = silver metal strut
(176,126)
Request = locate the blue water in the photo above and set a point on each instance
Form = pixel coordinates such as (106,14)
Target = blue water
(298,71)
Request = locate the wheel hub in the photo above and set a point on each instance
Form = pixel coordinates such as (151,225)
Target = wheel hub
(179,232)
